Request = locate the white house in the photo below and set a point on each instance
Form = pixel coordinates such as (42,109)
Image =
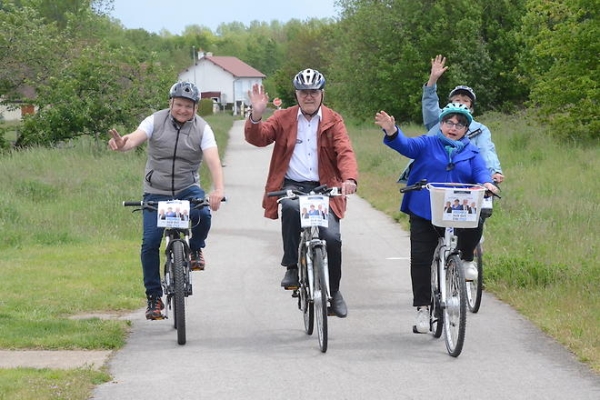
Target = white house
(224,79)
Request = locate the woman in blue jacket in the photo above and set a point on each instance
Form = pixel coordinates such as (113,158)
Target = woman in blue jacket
(447,156)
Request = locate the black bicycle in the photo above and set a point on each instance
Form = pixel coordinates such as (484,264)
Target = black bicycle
(176,278)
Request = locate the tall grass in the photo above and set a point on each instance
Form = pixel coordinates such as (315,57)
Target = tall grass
(541,244)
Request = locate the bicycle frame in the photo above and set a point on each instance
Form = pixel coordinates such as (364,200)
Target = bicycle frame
(310,240)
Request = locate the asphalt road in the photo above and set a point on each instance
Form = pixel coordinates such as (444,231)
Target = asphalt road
(246,340)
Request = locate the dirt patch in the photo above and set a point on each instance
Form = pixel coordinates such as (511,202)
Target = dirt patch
(68,359)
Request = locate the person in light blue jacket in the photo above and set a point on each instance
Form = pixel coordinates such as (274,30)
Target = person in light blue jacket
(478,133)
(448,156)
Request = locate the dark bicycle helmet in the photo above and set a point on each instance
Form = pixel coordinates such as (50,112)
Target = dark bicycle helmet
(457,108)
(185,90)
(462,89)
(309,79)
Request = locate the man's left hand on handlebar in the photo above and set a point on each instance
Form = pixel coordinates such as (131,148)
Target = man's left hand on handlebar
(348,187)
(214,198)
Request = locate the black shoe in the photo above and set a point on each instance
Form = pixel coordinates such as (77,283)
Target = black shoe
(155,307)
(290,280)
(338,305)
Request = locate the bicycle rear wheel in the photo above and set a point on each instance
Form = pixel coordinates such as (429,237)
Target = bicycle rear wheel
(178,274)
(475,288)
(320,298)
(306,306)
(455,310)
(435,311)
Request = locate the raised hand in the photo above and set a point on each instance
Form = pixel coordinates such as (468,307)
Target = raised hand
(259,100)
(116,142)
(438,67)
(386,122)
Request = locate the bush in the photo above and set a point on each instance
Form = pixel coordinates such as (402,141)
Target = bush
(205,107)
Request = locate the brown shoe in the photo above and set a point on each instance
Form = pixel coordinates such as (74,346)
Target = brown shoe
(155,307)
(198,262)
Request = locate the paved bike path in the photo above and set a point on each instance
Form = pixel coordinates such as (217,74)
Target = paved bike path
(246,338)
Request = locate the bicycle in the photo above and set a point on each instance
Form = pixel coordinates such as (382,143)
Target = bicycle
(313,274)
(448,310)
(177,278)
(475,287)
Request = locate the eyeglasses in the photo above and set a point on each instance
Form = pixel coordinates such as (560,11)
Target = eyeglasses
(451,124)
(307,92)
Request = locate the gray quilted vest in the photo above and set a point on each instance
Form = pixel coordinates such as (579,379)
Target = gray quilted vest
(174,155)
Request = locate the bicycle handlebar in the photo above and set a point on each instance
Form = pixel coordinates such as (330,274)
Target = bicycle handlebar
(293,193)
(151,205)
(423,183)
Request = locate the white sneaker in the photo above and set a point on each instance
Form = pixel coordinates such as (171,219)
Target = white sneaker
(470,270)
(422,325)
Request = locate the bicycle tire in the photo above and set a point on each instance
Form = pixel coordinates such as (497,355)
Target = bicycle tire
(178,269)
(320,298)
(475,288)
(306,305)
(455,310)
(436,316)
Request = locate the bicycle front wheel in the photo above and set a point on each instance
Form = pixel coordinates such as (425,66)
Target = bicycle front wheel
(455,310)
(178,274)
(320,297)
(475,288)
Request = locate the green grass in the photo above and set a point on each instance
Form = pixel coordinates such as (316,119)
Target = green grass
(37,384)
(70,249)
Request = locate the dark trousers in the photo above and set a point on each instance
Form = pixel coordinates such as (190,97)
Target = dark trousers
(290,232)
(423,241)
(152,236)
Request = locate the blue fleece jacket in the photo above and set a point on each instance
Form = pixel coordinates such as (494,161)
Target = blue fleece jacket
(431,162)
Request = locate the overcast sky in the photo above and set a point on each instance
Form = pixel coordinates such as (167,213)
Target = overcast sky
(175,15)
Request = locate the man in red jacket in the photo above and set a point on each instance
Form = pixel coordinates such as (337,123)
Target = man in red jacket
(312,148)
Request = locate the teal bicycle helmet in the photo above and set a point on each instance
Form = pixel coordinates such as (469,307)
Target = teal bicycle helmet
(309,79)
(185,90)
(457,108)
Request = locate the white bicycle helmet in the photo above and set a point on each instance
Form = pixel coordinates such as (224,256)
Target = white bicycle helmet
(309,79)
(462,89)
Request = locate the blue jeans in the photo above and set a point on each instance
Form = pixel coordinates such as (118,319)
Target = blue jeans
(152,236)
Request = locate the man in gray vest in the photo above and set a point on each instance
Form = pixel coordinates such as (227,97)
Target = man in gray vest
(178,141)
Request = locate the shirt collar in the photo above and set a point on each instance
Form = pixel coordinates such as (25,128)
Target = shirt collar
(319,113)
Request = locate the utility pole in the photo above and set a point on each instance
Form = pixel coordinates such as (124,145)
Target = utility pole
(194,57)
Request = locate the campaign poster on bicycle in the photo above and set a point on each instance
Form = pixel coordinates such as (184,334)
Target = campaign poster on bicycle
(173,214)
(460,205)
(314,211)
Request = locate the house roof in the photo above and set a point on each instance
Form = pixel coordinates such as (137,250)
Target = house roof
(235,67)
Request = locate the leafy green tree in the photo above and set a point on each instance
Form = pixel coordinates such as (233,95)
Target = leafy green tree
(99,89)
(563,43)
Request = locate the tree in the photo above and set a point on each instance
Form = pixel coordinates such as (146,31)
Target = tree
(563,43)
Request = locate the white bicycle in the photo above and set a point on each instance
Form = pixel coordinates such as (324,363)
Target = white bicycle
(448,310)
(313,293)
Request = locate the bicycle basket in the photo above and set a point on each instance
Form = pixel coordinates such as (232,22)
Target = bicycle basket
(455,204)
